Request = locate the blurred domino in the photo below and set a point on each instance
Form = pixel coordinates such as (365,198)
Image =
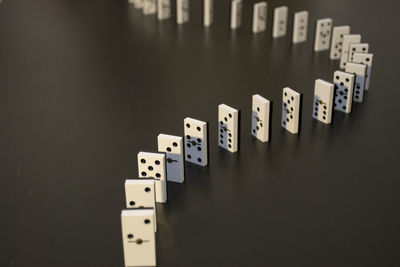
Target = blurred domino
(152,165)
(357,48)
(228,128)
(360,72)
(163,9)
(259,17)
(363,58)
(337,41)
(260,118)
(138,4)
(300,26)
(323,101)
(149,7)
(138,237)
(347,40)
(290,110)
(344,83)
(182,11)
(140,193)
(236,14)
(173,147)
(196,141)
(208,15)
(322,34)
(280,22)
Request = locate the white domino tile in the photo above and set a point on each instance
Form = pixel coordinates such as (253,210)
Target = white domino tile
(300,27)
(337,41)
(208,12)
(163,9)
(357,48)
(364,58)
(140,193)
(360,72)
(152,165)
(149,7)
(344,83)
(196,141)
(279,27)
(290,110)
(259,17)
(182,11)
(347,40)
(323,101)
(138,237)
(236,14)
(228,128)
(260,118)
(173,148)
(323,32)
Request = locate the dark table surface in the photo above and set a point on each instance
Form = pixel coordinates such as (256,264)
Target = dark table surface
(86,85)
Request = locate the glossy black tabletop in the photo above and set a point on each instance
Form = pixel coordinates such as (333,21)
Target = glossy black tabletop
(86,85)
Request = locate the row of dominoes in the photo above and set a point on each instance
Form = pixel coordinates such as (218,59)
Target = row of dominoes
(155,169)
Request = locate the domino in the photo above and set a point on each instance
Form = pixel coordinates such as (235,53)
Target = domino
(138,237)
(337,41)
(344,83)
(259,17)
(163,9)
(140,193)
(196,141)
(153,165)
(357,48)
(182,11)
(236,14)
(360,72)
(323,101)
(149,7)
(363,58)
(347,40)
(290,110)
(280,21)
(208,15)
(228,128)
(300,27)
(138,4)
(260,118)
(322,34)
(173,147)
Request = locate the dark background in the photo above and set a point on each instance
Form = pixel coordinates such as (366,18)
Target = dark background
(86,85)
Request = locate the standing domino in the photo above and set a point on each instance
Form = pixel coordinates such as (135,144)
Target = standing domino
(344,83)
(347,40)
(236,14)
(337,41)
(182,11)
(260,118)
(196,141)
(322,34)
(259,17)
(153,165)
(366,59)
(360,72)
(137,3)
(208,15)
(290,110)
(280,22)
(138,237)
(300,26)
(228,130)
(323,101)
(173,147)
(149,7)
(140,193)
(163,9)
(357,48)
